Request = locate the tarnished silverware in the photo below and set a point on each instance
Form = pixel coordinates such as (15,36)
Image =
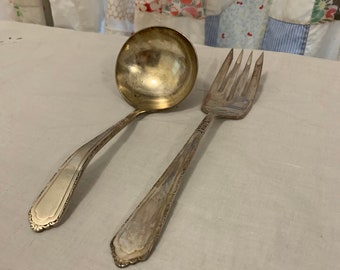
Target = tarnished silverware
(155,70)
(230,97)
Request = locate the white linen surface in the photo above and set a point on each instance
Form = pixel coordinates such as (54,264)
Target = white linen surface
(262,193)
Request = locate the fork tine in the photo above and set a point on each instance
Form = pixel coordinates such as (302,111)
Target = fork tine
(220,77)
(222,72)
(250,91)
(230,81)
(240,83)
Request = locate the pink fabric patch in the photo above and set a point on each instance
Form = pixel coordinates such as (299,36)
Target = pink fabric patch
(190,8)
(149,5)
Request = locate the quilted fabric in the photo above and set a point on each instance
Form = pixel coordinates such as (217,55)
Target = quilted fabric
(295,37)
(291,26)
(243,24)
(324,11)
(305,27)
(300,27)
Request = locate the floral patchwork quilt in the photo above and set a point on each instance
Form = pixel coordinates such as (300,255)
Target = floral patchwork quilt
(299,27)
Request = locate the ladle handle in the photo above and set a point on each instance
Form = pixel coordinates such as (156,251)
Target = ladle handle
(137,237)
(50,205)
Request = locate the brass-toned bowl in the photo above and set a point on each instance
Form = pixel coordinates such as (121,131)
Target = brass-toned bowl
(156,68)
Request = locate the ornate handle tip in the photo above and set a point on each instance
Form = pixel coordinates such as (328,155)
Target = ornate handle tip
(38,225)
(123,258)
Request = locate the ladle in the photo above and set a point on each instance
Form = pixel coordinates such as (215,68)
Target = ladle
(156,69)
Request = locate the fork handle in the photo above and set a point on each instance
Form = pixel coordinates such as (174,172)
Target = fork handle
(50,205)
(137,237)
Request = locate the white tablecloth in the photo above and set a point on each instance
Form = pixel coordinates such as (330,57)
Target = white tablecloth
(262,193)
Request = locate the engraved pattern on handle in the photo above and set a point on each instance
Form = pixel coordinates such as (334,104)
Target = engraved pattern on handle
(137,237)
(50,205)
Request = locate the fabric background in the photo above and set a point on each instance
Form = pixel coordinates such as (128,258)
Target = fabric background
(306,27)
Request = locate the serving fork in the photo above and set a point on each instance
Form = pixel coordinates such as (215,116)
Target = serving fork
(229,97)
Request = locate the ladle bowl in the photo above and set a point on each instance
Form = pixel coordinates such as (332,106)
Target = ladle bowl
(156,69)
